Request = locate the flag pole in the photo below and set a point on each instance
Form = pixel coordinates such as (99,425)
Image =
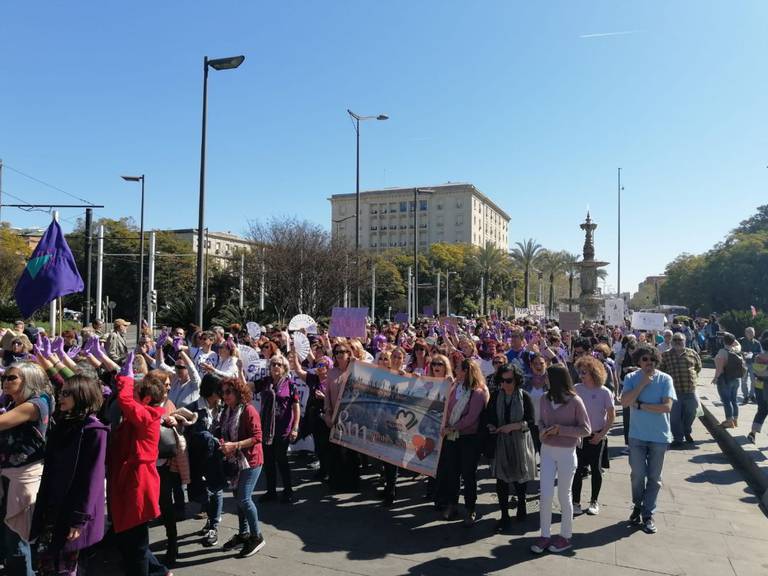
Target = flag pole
(54,301)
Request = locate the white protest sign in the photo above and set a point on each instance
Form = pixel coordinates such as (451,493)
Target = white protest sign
(521,312)
(614,312)
(250,358)
(538,311)
(648,321)
(254,330)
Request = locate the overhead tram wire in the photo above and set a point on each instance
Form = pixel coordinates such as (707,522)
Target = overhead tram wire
(44,183)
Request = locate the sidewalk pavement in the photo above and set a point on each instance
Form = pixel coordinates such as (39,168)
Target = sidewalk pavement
(709,523)
(752,458)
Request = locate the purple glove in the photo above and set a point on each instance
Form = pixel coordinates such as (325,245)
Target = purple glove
(36,350)
(58,347)
(46,347)
(90,345)
(127,369)
(39,341)
(99,351)
(162,339)
(73,352)
(178,342)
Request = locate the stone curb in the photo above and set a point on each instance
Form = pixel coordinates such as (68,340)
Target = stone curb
(736,453)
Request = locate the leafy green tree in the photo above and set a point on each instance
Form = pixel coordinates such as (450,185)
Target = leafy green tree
(553,264)
(491,262)
(525,254)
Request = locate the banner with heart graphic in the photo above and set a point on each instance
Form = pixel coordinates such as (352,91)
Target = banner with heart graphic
(391,417)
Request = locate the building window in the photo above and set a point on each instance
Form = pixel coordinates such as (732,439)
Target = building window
(459,220)
(422,205)
(403,206)
(459,204)
(439,206)
(411,206)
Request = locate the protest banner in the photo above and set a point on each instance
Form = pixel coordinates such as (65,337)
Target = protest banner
(614,312)
(428,311)
(570,321)
(348,322)
(521,312)
(401,317)
(537,311)
(394,418)
(648,321)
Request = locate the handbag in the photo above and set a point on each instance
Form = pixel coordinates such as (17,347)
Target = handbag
(167,446)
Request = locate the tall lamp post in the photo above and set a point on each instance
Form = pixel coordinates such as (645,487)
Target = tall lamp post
(448,275)
(356,122)
(141,256)
(217,64)
(416,192)
(618,263)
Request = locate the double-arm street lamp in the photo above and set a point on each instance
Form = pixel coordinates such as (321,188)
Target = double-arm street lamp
(356,118)
(217,64)
(141,257)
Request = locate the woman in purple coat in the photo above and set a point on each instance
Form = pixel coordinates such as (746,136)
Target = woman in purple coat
(69,512)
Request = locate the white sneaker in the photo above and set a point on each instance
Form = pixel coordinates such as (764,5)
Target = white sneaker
(577,511)
(594,509)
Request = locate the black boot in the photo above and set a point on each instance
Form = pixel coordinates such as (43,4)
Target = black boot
(522,512)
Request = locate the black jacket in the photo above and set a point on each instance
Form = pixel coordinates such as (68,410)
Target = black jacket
(490,417)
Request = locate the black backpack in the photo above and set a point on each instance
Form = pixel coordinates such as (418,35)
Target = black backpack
(735,366)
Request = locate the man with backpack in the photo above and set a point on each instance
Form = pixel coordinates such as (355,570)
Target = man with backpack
(729,370)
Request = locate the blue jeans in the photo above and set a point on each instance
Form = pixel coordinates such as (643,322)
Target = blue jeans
(683,414)
(17,552)
(247,516)
(214,507)
(646,459)
(728,390)
(748,383)
(762,410)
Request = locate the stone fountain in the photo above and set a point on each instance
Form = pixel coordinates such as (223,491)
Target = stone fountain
(589,301)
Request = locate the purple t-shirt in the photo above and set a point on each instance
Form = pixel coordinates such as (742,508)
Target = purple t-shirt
(286,395)
(597,401)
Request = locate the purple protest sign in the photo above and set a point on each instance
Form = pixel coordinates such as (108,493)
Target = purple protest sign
(348,322)
(401,317)
(428,311)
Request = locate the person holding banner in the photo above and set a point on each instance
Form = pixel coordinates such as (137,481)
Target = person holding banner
(563,421)
(510,418)
(420,362)
(313,415)
(343,464)
(461,447)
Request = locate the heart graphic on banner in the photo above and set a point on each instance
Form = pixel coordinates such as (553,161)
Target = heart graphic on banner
(418,440)
(426,448)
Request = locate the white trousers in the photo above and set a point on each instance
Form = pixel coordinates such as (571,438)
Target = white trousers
(557,462)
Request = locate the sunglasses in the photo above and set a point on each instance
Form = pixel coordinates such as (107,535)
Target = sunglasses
(321,365)
(180,367)
(275,365)
(265,346)
(508,380)
(419,349)
(227,391)
(337,352)
(583,372)
(647,359)
(497,362)
(66,393)
(436,364)
(8,377)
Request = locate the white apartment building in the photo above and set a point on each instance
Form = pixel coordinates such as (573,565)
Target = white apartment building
(220,245)
(452,212)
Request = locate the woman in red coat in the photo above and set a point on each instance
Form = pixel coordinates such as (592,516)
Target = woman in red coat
(133,482)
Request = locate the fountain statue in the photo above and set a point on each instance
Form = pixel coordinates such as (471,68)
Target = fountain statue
(589,301)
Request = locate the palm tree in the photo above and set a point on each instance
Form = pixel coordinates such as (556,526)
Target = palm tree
(572,270)
(490,260)
(552,263)
(525,254)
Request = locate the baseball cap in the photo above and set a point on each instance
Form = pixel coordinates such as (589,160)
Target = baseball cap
(121,322)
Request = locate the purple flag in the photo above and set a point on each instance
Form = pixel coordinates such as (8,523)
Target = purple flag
(50,272)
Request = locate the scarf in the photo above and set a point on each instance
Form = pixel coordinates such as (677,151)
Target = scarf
(462,399)
(509,408)
(229,429)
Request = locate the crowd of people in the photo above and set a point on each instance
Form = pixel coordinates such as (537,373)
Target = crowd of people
(178,421)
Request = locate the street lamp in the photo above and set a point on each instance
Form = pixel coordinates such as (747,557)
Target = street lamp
(216,64)
(356,122)
(141,256)
(416,192)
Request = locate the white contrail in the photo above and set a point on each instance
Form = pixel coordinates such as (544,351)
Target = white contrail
(606,34)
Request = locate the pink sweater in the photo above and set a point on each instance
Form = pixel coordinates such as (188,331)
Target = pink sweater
(571,417)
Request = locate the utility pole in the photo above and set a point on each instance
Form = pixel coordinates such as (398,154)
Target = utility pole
(410,295)
(482,295)
(88,257)
(151,293)
(263,278)
(437,299)
(99,271)
(242,280)
(373,292)
(618,263)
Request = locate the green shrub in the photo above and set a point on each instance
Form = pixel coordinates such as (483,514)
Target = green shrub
(736,321)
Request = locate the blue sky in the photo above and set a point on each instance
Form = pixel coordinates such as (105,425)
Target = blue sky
(526,100)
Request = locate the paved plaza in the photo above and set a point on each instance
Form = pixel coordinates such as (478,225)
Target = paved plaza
(709,520)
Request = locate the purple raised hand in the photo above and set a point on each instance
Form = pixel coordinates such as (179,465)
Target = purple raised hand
(162,339)
(73,351)
(46,347)
(127,369)
(90,345)
(178,342)
(58,347)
